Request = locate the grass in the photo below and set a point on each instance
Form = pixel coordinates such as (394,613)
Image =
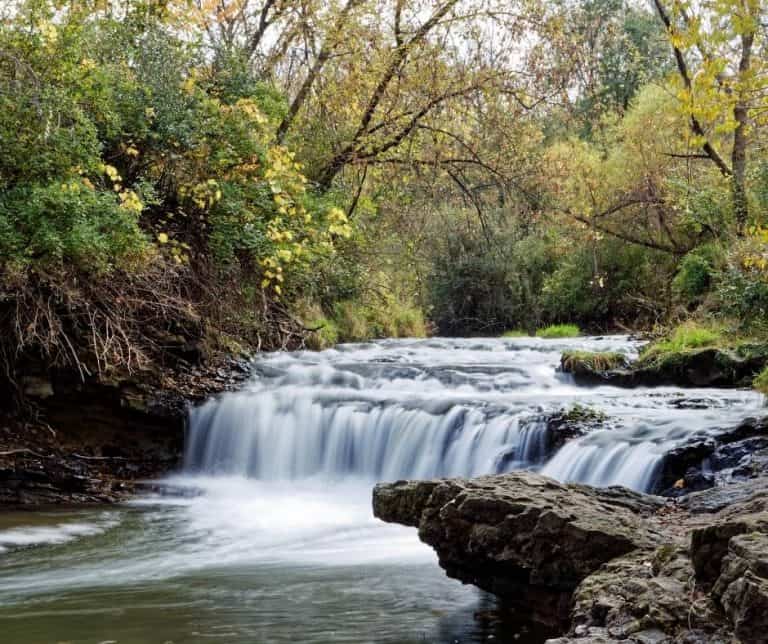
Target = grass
(761,382)
(581,361)
(687,336)
(559,331)
(515,333)
(353,321)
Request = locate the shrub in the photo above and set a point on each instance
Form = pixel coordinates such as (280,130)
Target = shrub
(697,272)
(69,224)
(741,291)
(596,284)
(559,331)
(477,287)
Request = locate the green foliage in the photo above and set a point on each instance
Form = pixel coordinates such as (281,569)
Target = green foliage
(127,118)
(477,287)
(761,382)
(359,321)
(626,49)
(69,225)
(697,272)
(741,287)
(559,331)
(594,283)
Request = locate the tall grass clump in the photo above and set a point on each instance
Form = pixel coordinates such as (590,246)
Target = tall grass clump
(687,336)
(559,331)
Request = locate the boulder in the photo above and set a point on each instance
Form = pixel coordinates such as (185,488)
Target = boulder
(524,537)
(702,462)
(742,586)
(602,565)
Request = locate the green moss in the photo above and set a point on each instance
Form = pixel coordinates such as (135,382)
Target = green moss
(588,361)
(559,331)
(583,414)
(515,333)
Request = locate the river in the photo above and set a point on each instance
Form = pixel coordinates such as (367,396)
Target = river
(269,536)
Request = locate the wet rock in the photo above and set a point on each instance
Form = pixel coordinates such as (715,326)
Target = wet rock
(724,496)
(572,423)
(521,536)
(591,367)
(704,462)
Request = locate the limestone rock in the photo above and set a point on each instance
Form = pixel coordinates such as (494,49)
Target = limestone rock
(521,536)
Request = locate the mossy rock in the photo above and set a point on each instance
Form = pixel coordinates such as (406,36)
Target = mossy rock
(592,363)
(708,367)
(704,367)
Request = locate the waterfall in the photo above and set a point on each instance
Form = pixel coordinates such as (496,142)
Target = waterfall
(440,408)
(291,434)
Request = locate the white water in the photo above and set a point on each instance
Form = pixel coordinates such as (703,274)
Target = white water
(281,546)
(437,408)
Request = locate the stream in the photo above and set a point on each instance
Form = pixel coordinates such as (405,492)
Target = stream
(268,535)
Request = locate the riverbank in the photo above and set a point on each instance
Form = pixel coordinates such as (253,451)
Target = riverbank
(83,441)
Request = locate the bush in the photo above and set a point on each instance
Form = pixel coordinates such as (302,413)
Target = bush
(515,333)
(741,290)
(70,224)
(697,272)
(559,331)
(477,287)
(598,284)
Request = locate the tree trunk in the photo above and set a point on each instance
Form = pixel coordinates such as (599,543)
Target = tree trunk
(740,140)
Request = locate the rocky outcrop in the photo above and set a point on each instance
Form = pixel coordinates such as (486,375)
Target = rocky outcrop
(92,439)
(575,422)
(738,453)
(706,367)
(604,565)
(521,536)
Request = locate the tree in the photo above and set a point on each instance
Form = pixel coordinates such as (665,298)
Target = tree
(719,48)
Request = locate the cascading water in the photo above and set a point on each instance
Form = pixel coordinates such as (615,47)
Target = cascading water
(276,542)
(437,408)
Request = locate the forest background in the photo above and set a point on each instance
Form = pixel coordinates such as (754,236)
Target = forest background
(181,178)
